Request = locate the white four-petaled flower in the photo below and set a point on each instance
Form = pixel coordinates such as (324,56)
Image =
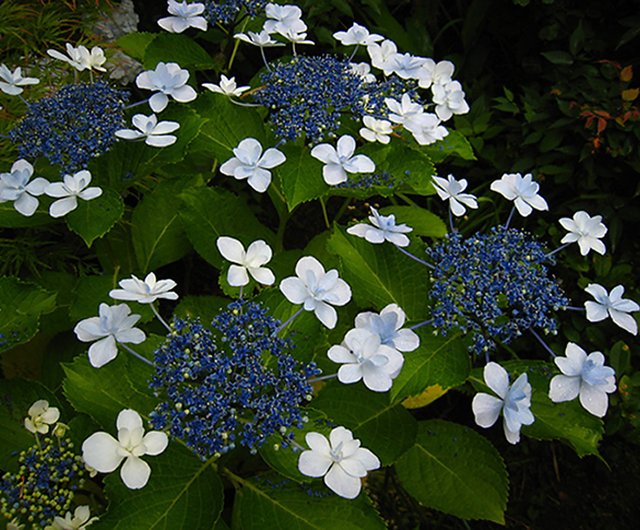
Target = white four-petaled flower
(357,35)
(41,415)
(11,83)
(376,130)
(340,460)
(388,326)
(81,58)
(318,290)
(451,189)
(364,357)
(340,160)
(144,292)
(283,18)
(514,402)
(382,228)
(183,16)
(522,190)
(80,520)
(586,231)
(68,192)
(406,66)
(227,87)
(104,453)
(245,263)
(435,73)
(612,305)
(262,39)
(168,79)
(449,100)
(154,133)
(15,186)
(251,164)
(382,55)
(585,376)
(114,325)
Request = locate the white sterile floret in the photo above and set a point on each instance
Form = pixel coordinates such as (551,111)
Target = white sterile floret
(363,70)
(11,83)
(296,37)
(283,18)
(104,453)
(15,186)
(154,133)
(431,130)
(585,376)
(514,402)
(382,55)
(382,228)
(435,73)
(388,326)
(144,292)
(363,357)
(81,58)
(611,305)
(449,100)
(68,192)
(522,191)
(586,231)
(407,113)
(406,66)
(183,16)
(245,263)
(80,520)
(340,160)
(451,189)
(318,290)
(114,325)
(227,87)
(376,130)
(340,460)
(357,35)
(250,163)
(262,39)
(40,416)
(168,79)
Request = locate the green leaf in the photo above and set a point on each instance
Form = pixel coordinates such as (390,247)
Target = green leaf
(103,392)
(454,144)
(227,125)
(10,218)
(300,176)
(177,48)
(21,305)
(157,232)
(182,492)
(455,470)
(412,167)
(200,306)
(568,421)
(135,44)
(380,274)
(558,57)
(442,361)
(383,427)
(208,213)
(423,222)
(93,219)
(270,503)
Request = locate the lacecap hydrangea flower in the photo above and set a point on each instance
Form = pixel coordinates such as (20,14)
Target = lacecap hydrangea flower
(41,416)
(18,187)
(382,228)
(11,83)
(340,160)
(611,305)
(252,164)
(183,16)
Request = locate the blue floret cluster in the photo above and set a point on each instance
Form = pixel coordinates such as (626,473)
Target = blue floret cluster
(45,484)
(226,11)
(232,384)
(72,126)
(495,285)
(308,95)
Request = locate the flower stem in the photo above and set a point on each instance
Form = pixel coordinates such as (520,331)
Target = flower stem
(561,247)
(241,104)
(453,228)
(137,104)
(425,323)
(510,217)
(324,213)
(240,295)
(289,320)
(541,341)
(572,308)
(416,258)
(135,354)
(236,45)
(322,378)
(264,58)
(155,312)
(293,46)
(353,53)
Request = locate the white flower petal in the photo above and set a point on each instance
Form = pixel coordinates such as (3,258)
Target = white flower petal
(564,388)
(486,409)
(101,451)
(102,352)
(135,473)
(342,483)
(313,464)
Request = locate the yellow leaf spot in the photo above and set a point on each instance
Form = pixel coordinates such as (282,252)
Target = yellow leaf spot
(630,94)
(626,74)
(425,398)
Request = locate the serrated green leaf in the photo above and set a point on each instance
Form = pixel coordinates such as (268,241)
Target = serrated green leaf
(208,213)
(442,361)
(383,427)
(455,470)
(454,144)
(423,222)
(21,305)
(93,219)
(10,218)
(103,392)
(203,306)
(411,167)
(270,503)
(380,274)
(177,48)
(300,176)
